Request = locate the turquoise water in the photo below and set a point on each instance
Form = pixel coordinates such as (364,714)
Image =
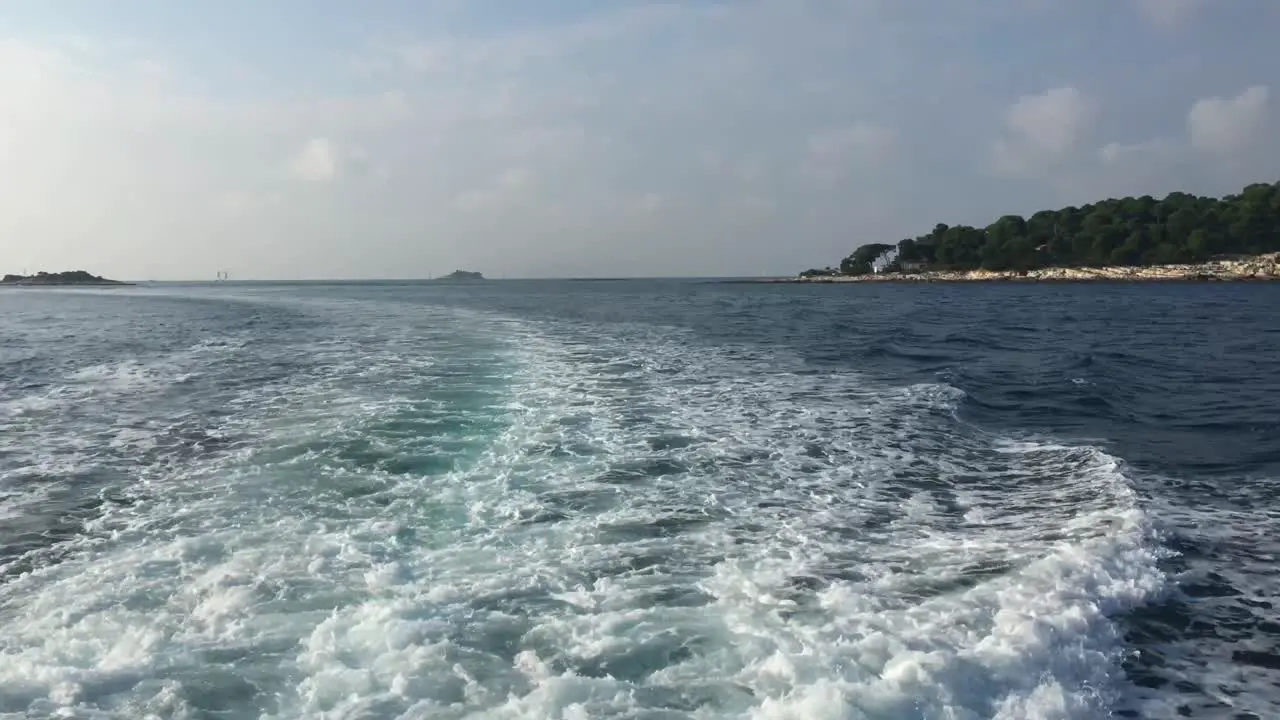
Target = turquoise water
(643,500)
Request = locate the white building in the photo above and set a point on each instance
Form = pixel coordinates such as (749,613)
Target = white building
(887,258)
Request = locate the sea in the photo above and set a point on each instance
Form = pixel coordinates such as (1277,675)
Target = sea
(656,500)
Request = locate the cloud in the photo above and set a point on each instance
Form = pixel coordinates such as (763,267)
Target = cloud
(1168,13)
(1041,130)
(316,162)
(640,138)
(1227,125)
(1117,169)
(1050,122)
(1224,142)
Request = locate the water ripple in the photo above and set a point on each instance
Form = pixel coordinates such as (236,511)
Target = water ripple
(662,500)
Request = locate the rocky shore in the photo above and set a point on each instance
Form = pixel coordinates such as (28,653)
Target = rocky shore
(1261,267)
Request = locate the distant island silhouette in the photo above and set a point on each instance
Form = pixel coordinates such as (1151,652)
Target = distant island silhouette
(71,277)
(462,275)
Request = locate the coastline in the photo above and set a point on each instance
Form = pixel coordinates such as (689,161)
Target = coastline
(109,283)
(1259,268)
(70,278)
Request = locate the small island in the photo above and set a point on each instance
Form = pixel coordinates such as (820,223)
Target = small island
(72,277)
(1181,237)
(462,275)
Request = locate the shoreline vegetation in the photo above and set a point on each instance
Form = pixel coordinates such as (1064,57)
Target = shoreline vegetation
(1182,237)
(45,279)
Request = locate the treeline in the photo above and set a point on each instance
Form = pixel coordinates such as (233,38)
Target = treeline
(1181,228)
(70,276)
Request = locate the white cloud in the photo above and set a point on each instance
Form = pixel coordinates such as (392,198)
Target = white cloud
(1226,142)
(107,159)
(1226,125)
(605,143)
(316,162)
(1119,169)
(1042,129)
(1052,121)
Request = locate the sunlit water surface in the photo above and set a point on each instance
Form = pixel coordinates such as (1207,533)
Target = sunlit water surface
(639,500)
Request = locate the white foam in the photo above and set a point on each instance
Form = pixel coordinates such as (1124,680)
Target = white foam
(655,524)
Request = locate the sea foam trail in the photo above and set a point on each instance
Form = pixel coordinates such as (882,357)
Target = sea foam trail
(461,515)
(869,555)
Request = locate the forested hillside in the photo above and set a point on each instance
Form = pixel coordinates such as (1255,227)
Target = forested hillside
(1181,228)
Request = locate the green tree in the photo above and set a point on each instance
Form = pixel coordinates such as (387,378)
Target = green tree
(1129,231)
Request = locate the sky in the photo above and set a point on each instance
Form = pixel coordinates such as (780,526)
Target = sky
(151,140)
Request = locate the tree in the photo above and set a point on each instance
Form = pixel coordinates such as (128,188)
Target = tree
(1125,231)
(909,250)
(859,263)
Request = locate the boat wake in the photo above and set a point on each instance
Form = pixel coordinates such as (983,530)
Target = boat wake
(447,513)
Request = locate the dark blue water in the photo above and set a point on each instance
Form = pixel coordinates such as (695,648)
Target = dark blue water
(650,499)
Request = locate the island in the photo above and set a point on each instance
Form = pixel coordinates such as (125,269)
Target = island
(462,275)
(72,277)
(1180,237)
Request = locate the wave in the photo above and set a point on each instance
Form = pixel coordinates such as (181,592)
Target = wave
(448,513)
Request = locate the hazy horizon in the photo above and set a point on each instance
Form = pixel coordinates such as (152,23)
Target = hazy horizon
(325,141)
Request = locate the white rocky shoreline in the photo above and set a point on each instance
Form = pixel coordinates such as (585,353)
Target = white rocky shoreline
(1257,268)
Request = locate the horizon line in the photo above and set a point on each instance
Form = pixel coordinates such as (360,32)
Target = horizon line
(591,278)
